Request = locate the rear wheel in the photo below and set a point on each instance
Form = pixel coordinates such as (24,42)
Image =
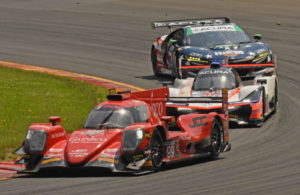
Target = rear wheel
(154,62)
(156,155)
(216,140)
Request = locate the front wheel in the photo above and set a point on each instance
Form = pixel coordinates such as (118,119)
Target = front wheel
(216,140)
(276,99)
(263,115)
(154,62)
(156,155)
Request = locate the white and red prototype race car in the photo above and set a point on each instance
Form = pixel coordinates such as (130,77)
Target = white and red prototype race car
(248,103)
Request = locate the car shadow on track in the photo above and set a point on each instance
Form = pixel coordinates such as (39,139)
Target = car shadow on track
(188,163)
(100,172)
(75,172)
(234,126)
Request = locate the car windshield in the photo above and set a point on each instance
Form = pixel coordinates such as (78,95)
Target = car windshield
(212,36)
(115,116)
(214,79)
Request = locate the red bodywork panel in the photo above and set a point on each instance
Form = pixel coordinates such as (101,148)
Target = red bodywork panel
(86,146)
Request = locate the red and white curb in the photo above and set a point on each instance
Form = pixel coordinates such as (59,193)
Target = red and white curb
(107,83)
(10,169)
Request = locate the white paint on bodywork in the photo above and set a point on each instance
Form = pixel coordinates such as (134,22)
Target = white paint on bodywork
(181,87)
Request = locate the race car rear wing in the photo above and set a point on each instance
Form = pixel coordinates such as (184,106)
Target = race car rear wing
(183,102)
(203,21)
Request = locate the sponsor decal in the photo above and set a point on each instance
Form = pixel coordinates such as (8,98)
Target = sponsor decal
(201,29)
(170,151)
(158,107)
(86,140)
(57,135)
(195,59)
(92,132)
(198,122)
(110,153)
(208,56)
(259,51)
(196,54)
(55,150)
(147,135)
(215,72)
(229,53)
(78,153)
(107,155)
(54,155)
(211,94)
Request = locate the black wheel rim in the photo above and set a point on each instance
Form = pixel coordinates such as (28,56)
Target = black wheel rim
(216,140)
(156,154)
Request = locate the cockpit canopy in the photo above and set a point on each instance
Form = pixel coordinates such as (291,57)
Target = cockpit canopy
(216,79)
(112,116)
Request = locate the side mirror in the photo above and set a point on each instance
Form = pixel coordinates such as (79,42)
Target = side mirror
(257,37)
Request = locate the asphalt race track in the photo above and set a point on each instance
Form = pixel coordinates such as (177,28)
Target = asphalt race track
(112,39)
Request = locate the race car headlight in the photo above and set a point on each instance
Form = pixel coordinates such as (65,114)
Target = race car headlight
(131,139)
(35,141)
(252,97)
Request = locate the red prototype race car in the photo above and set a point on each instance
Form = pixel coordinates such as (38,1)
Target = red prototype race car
(129,132)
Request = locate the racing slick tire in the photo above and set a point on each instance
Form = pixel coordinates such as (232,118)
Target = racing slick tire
(176,70)
(154,62)
(216,140)
(276,100)
(263,117)
(156,155)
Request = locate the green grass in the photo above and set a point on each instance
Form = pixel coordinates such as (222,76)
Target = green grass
(28,97)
